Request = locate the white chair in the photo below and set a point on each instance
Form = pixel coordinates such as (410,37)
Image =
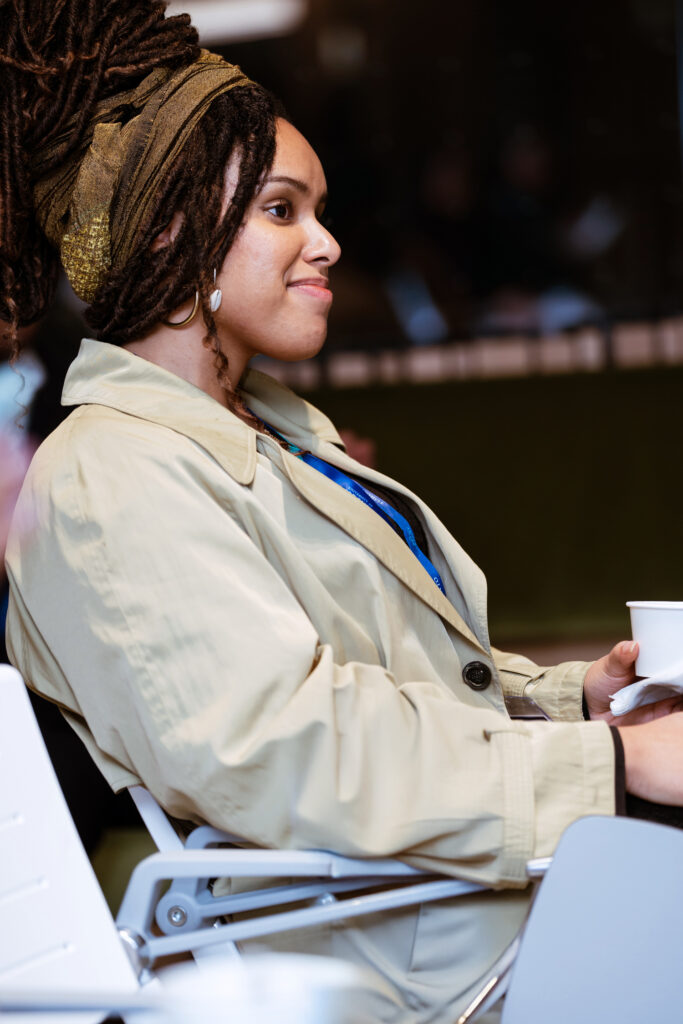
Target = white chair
(190,917)
(610,898)
(59,948)
(56,932)
(604,939)
(60,951)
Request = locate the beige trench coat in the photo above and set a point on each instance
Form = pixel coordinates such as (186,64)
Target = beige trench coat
(224,623)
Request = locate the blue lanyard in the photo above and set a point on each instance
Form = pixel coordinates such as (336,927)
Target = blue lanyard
(369,498)
(4,608)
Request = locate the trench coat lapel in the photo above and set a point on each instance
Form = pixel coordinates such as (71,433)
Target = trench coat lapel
(308,427)
(365,526)
(107,375)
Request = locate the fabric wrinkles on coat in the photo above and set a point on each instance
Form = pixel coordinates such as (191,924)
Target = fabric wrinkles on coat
(225,624)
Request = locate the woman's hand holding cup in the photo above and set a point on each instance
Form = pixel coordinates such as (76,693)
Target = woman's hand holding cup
(652,735)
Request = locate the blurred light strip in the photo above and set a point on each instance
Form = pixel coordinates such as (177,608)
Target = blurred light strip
(229,21)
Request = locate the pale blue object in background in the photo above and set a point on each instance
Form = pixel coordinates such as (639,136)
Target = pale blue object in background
(18,385)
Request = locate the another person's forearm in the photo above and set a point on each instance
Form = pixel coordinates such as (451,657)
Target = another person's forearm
(653,757)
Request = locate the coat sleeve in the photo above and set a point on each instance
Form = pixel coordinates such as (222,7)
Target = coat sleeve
(557,690)
(152,614)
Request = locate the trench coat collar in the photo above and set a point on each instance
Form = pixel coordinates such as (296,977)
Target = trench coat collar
(104,374)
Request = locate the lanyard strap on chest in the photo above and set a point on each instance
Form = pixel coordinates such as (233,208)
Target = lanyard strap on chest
(369,498)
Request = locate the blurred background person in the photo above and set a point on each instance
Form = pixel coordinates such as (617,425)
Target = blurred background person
(30,409)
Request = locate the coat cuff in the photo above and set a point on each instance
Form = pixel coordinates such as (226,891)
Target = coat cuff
(574,776)
(558,690)
(552,774)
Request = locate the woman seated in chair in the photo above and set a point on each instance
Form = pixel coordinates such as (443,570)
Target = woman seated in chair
(270,636)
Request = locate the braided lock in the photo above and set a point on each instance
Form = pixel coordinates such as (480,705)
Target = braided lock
(60,59)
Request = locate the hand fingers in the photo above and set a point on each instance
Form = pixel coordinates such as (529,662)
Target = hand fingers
(666,707)
(621,658)
(649,712)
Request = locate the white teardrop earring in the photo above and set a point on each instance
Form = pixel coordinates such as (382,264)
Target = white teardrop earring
(216,296)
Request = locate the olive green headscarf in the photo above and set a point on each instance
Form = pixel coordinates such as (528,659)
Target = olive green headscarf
(93,204)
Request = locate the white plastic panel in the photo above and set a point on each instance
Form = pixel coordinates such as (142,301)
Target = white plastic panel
(56,932)
(604,940)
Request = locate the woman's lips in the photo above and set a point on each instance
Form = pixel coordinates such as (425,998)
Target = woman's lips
(316,288)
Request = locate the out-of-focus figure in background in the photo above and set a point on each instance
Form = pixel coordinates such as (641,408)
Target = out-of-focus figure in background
(30,409)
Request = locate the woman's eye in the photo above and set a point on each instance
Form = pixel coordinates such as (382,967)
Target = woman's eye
(280,210)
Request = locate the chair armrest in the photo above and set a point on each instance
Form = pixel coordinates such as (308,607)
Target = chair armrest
(142,895)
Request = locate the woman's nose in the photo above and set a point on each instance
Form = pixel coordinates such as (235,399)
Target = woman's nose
(321,245)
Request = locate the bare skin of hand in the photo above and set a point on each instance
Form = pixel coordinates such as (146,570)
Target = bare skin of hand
(652,736)
(611,673)
(653,754)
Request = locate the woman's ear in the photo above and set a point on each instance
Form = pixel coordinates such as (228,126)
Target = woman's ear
(169,233)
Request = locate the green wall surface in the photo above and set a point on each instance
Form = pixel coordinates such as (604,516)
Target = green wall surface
(566,490)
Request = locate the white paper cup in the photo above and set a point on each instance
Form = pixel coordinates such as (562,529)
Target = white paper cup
(658,628)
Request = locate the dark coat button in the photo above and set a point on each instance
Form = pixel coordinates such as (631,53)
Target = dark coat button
(477,675)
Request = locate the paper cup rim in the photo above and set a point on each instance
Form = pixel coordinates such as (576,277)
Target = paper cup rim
(671,605)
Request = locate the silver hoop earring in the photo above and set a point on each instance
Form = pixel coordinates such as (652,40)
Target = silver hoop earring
(216,296)
(188,319)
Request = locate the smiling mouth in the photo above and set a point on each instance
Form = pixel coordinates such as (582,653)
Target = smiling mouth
(316,288)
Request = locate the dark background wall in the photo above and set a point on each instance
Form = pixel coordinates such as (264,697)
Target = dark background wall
(567,491)
(463,141)
(397,95)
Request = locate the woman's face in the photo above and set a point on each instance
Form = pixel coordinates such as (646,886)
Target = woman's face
(274,280)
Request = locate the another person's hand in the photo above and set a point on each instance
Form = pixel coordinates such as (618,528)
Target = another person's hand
(652,736)
(612,673)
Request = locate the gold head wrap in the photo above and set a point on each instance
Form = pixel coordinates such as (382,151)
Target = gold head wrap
(93,204)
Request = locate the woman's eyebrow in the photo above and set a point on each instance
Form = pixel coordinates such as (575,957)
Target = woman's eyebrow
(300,186)
(284,179)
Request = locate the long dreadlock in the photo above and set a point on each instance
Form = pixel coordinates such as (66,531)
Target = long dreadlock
(58,59)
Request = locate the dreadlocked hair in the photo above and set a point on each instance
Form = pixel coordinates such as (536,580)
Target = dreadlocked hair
(58,59)
(239,123)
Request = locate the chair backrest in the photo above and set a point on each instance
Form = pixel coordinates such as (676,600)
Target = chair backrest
(604,940)
(56,931)
(59,947)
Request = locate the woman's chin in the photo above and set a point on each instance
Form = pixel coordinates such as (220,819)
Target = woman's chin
(301,350)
